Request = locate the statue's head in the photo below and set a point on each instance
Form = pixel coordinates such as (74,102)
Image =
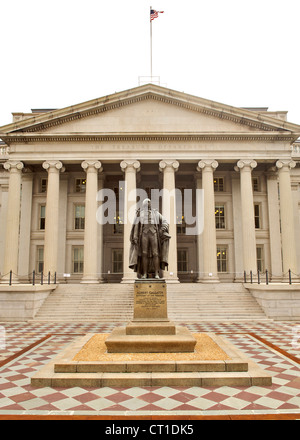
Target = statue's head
(146,204)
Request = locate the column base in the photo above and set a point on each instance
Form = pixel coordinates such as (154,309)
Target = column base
(128,280)
(208,280)
(172,280)
(89,281)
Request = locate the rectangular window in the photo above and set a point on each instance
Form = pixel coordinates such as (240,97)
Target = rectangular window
(260,258)
(42,218)
(118,225)
(182,260)
(257,217)
(180,220)
(218,184)
(222,258)
(79,216)
(220,216)
(80,185)
(255,184)
(117,261)
(43,185)
(39,259)
(118,219)
(77,259)
(181,225)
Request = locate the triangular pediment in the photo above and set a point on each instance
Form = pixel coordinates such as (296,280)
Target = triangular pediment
(145,110)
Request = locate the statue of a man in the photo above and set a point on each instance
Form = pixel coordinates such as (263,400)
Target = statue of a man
(149,242)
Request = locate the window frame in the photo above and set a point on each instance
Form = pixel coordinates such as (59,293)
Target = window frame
(79,261)
(118,225)
(81,186)
(255,185)
(42,220)
(43,186)
(183,261)
(218,218)
(81,220)
(258,218)
(117,264)
(261,259)
(221,261)
(218,185)
(38,260)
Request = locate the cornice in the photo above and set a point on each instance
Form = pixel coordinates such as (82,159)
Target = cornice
(149,137)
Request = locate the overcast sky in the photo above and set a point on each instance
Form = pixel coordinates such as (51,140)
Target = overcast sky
(56,53)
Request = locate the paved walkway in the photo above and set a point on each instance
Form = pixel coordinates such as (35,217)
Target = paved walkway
(26,347)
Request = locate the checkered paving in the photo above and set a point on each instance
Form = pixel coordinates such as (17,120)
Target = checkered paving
(17,396)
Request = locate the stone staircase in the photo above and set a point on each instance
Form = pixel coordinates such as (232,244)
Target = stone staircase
(191,302)
(212,302)
(101,303)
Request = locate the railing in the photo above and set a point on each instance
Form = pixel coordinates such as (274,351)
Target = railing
(35,278)
(258,277)
(265,277)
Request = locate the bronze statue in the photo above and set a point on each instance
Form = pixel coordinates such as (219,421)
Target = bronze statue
(149,242)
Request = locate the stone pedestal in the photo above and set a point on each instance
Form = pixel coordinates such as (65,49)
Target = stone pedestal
(150,330)
(150,316)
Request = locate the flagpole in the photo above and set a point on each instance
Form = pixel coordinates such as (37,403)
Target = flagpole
(150,43)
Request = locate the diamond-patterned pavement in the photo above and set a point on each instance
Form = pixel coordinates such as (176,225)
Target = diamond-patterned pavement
(29,346)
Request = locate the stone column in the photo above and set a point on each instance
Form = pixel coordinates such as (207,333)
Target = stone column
(169,167)
(53,168)
(289,259)
(198,181)
(100,236)
(274,226)
(3,214)
(248,225)
(62,232)
(90,268)
(210,270)
(11,251)
(130,168)
(25,225)
(237,228)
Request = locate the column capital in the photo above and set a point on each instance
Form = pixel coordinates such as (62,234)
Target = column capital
(53,165)
(91,165)
(132,165)
(210,164)
(286,164)
(168,164)
(13,165)
(245,165)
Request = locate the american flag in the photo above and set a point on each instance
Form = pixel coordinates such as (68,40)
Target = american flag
(154,14)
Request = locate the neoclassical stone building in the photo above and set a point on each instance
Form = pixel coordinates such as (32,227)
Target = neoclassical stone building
(54,162)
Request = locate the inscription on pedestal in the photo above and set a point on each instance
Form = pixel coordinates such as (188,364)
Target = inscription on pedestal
(150,300)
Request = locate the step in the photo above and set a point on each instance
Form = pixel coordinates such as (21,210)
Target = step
(236,370)
(114,303)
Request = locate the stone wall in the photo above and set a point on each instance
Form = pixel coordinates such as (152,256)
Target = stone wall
(21,302)
(280,302)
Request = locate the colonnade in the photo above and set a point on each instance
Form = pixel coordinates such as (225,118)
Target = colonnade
(204,171)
